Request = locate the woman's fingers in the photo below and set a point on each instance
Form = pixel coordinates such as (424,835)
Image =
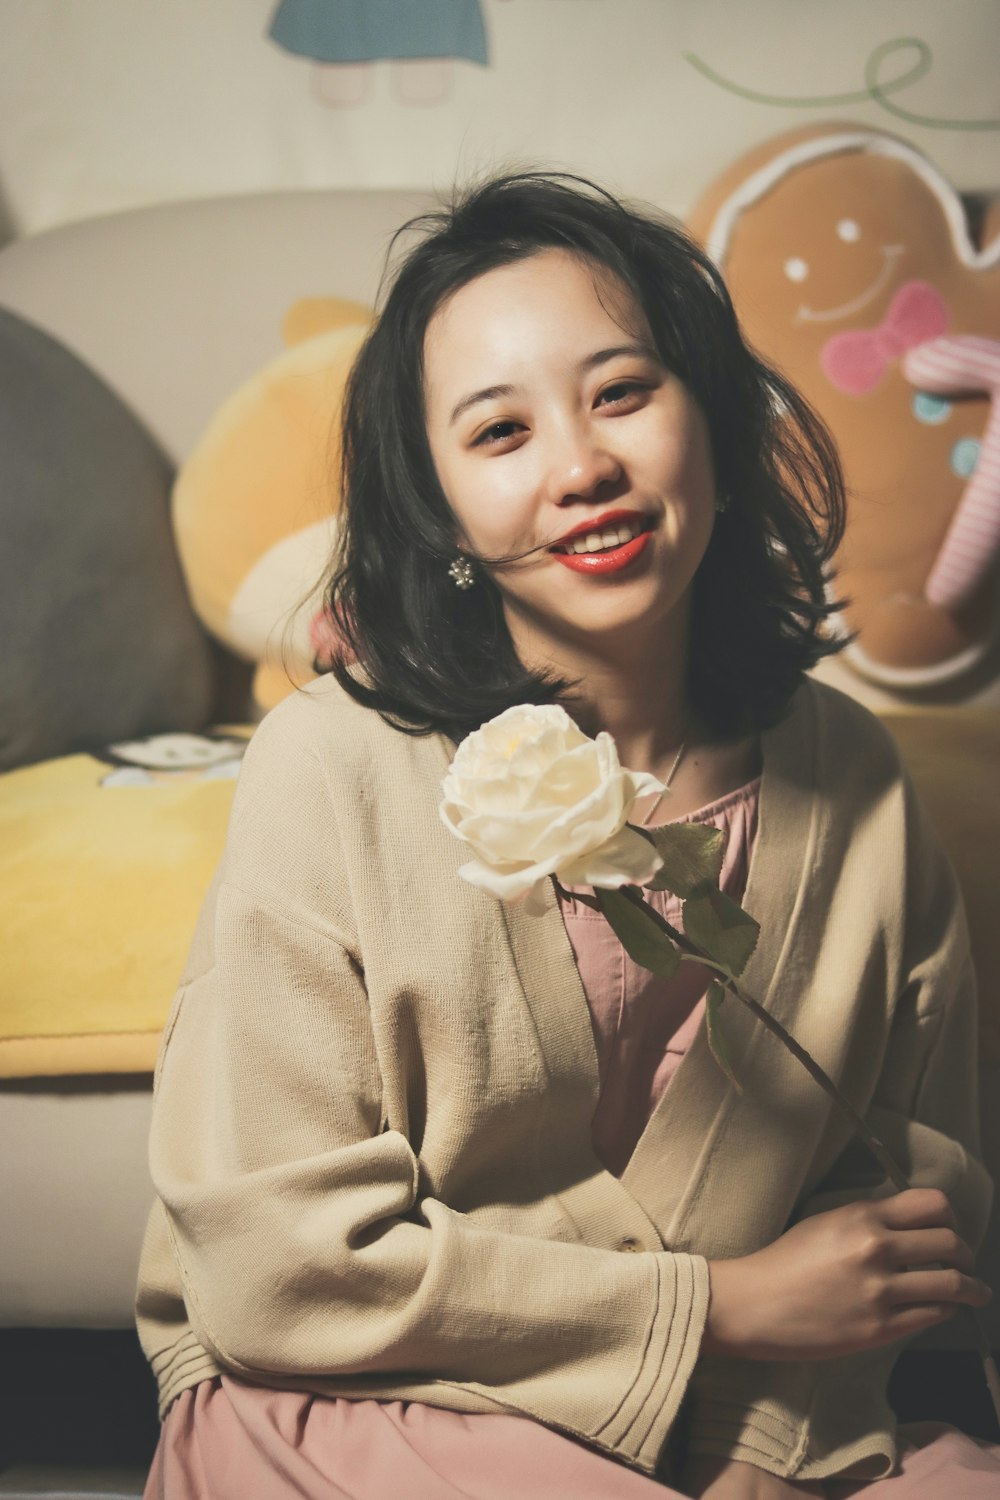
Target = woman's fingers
(927,1247)
(917,1208)
(856,1277)
(905,1322)
(945,1286)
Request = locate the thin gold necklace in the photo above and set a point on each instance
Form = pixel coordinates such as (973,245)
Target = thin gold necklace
(666,785)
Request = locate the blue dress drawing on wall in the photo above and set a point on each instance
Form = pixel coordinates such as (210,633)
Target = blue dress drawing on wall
(358,31)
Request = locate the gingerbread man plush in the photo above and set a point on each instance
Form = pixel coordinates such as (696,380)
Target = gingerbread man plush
(853,268)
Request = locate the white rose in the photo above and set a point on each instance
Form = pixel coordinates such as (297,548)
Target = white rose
(533,796)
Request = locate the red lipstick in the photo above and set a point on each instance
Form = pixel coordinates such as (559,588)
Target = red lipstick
(601,523)
(611,559)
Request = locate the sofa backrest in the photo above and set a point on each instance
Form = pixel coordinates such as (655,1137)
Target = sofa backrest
(177,304)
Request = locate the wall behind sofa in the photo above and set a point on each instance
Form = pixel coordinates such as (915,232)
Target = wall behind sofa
(105,104)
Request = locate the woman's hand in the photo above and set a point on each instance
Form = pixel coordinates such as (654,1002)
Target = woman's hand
(728,1479)
(857,1277)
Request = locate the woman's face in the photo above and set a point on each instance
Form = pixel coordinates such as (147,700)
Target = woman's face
(555,430)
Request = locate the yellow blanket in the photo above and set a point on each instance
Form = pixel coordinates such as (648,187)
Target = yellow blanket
(103,867)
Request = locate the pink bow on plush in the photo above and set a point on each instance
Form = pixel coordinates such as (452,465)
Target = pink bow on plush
(855,362)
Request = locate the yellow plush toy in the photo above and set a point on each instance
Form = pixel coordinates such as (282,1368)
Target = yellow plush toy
(255,504)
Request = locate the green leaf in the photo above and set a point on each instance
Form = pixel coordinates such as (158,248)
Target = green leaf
(721,928)
(639,934)
(716,1040)
(691,854)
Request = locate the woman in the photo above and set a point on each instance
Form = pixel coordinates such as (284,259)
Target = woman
(452,1199)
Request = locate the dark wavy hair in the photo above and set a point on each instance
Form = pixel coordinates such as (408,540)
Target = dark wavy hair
(431,657)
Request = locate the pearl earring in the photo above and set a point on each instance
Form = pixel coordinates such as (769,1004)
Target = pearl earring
(461,573)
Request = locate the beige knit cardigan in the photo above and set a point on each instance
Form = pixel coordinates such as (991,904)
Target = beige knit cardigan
(371,1138)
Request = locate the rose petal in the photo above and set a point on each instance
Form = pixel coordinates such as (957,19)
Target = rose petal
(521,837)
(509,887)
(626,859)
(535,902)
(593,819)
(640,786)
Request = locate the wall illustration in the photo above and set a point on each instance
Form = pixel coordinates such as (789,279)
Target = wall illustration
(344,38)
(853,268)
(652,97)
(879,89)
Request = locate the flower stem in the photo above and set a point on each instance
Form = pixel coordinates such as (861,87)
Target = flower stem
(580,896)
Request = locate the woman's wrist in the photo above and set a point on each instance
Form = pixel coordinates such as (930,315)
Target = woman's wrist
(729,1298)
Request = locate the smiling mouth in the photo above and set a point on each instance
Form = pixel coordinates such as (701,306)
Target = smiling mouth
(889,256)
(606,538)
(605,549)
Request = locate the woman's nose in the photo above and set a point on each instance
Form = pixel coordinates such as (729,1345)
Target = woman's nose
(583,467)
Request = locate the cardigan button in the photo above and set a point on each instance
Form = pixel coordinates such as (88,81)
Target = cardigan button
(630,1245)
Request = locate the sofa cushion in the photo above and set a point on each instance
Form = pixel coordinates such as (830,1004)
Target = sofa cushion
(101,641)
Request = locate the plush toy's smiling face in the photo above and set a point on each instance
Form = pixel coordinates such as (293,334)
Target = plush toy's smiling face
(831,241)
(845,251)
(873,271)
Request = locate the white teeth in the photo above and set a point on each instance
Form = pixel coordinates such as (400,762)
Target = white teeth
(598,541)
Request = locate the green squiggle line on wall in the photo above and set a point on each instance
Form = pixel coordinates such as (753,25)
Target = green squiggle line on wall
(874,90)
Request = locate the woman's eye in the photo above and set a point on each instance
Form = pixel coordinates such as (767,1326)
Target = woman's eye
(496,433)
(625,393)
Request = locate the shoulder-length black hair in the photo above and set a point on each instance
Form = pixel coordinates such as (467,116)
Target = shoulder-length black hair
(432,657)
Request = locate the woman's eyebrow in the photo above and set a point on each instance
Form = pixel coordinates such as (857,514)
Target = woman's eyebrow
(489,393)
(643,351)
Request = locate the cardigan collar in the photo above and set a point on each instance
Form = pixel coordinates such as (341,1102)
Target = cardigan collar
(700,1104)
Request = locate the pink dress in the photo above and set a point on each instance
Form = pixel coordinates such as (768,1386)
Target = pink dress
(226,1440)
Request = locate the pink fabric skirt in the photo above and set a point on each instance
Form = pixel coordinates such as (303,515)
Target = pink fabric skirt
(226,1440)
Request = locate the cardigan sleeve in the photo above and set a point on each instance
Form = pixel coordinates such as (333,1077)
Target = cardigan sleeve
(307,1242)
(813,1420)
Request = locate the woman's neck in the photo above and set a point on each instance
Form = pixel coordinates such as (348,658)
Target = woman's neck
(634,689)
(645,712)
(638,696)
(650,721)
